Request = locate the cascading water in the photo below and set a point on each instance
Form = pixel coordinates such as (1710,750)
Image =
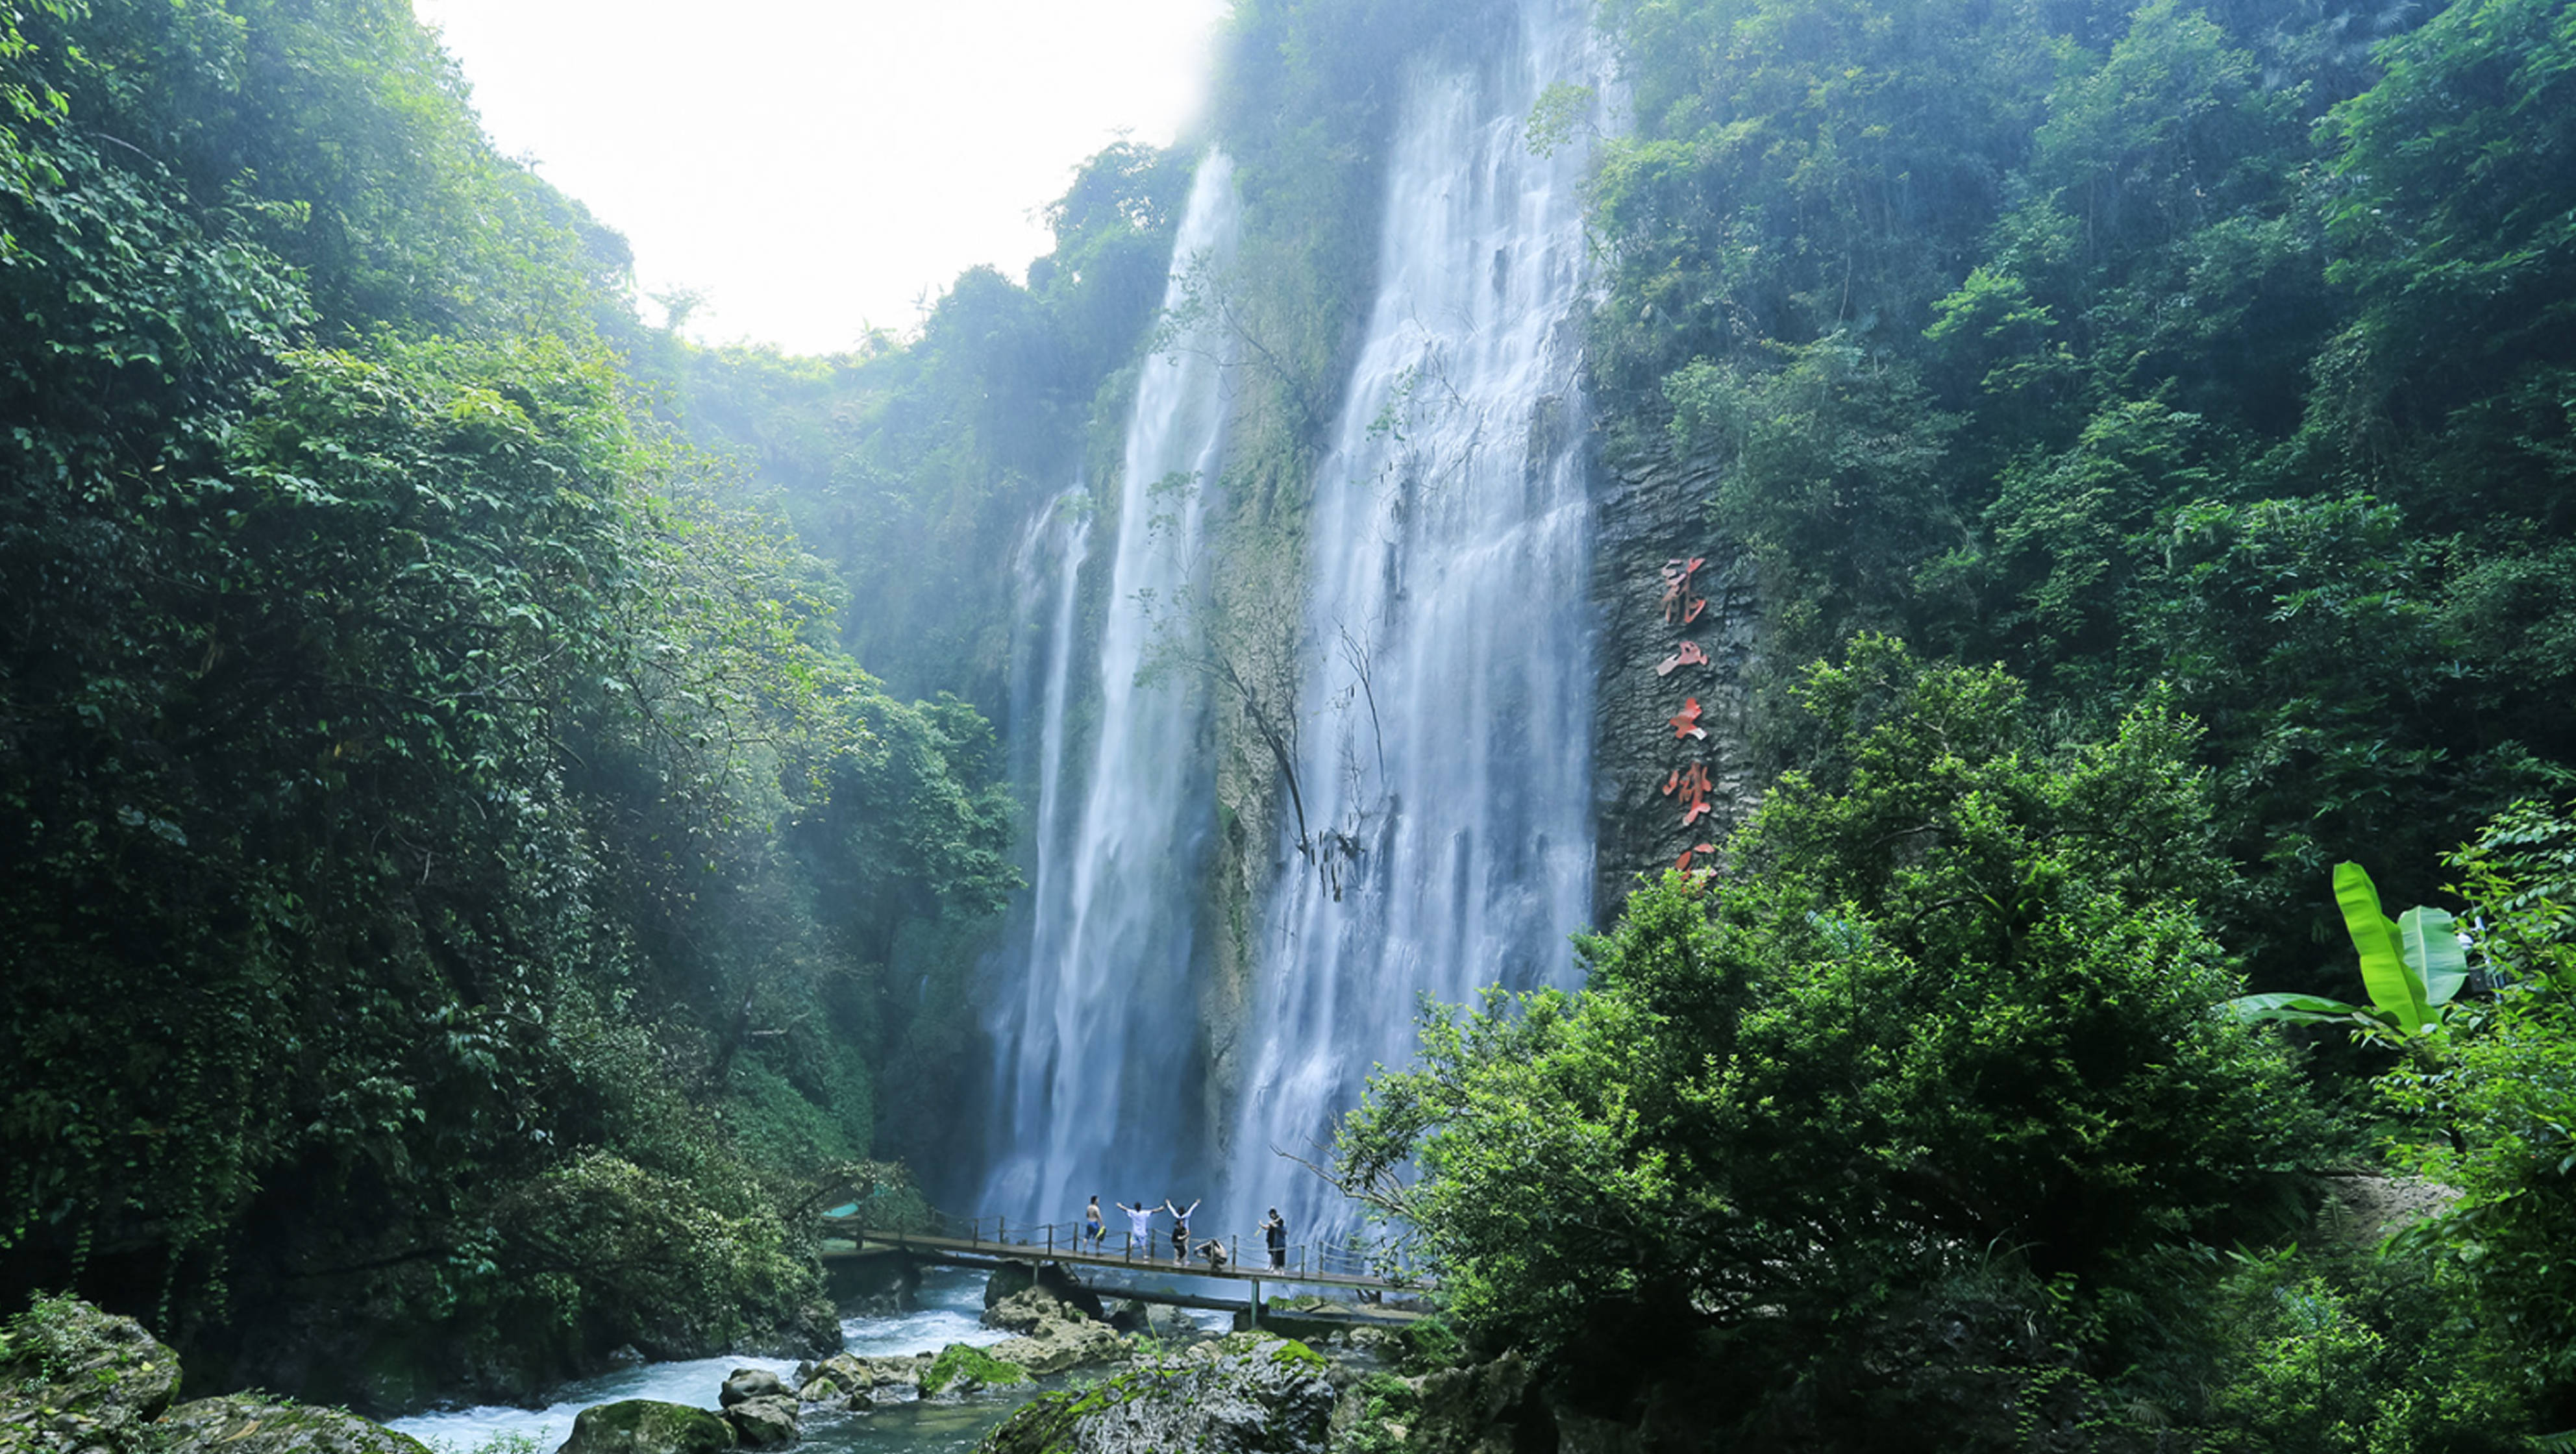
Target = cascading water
(1448,775)
(1098,1051)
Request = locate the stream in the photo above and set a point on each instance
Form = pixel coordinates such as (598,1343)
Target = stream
(952,1302)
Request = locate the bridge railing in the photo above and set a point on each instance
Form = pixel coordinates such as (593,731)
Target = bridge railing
(1345,1258)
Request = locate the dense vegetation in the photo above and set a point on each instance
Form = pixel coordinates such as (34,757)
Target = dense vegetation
(2123,344)
(2207,369)
(452,875)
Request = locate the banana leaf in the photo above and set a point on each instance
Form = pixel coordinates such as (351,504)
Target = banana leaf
(2393,984)
(2287,1008)
(2430,939)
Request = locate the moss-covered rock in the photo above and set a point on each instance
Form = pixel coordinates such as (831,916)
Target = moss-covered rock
(648,1426)
(1245,1394)
(72,1377)
(960,1368)
(250,1424)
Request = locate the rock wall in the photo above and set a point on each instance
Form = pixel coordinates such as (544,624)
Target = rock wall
(1672,756)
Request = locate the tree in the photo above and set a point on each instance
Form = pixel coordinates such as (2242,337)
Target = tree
(1950,995)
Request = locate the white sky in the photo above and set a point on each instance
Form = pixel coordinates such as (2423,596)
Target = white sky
(815,168)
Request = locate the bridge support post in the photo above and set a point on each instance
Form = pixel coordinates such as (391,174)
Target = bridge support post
(1256,1302)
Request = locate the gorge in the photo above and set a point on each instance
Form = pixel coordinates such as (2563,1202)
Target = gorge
(1792,688)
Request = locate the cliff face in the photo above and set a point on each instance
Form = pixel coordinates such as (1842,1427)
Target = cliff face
(1672,761)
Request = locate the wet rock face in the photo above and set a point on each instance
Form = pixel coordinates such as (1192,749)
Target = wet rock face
(647,1426)
(1674,635)
(1246,1394)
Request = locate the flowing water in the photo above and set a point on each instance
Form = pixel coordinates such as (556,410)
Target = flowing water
(1445,759)
(951,1302)
(1097,1053)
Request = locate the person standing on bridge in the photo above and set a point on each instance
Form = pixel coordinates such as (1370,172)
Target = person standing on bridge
(1274,1230)
(1180,1228)
(1140,1225)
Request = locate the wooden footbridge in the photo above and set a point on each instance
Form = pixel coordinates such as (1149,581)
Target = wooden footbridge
(987,1242)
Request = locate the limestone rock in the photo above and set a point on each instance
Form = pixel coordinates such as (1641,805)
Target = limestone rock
(1055,1346)
(1013,1282)
(85,1374)
(744,1384)
(849,1381)
(647,1426)
(1025,1311)
(248,1424)
(1245,1394)
(767,1422)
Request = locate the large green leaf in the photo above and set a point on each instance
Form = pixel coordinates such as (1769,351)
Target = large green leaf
(2289,1007)
(2393,984)
(2430,940)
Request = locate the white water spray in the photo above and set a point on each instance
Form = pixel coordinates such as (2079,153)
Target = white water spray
(1447,766)
(1098,1050)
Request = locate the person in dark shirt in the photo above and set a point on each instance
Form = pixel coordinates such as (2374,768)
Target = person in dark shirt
(1274,1229)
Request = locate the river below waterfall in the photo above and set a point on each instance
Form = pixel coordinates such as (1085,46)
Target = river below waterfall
(952,1302)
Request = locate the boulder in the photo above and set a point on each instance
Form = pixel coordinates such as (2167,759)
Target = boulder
(72,1376)
(1031,1309)
(768,1422)
(847,1380)
(963,1368)
(248,1424)
(1013,1281)
(744,1384)
(1057,1346)
(1245,1394)
(1132,1317)
(647,1426)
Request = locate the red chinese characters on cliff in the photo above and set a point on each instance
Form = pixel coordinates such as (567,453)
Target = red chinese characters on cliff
(1681,608)
(1690,788)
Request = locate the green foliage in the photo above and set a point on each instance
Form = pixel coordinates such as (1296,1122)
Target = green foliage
(2413,968)
(2501,1107)
(443,796)
(964,1367)
(2131,344)
(1952,997)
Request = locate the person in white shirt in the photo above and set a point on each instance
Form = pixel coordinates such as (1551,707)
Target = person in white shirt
(1140,1225)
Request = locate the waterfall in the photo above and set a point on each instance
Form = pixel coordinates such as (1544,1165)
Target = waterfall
(1096,1037)
(1445,759)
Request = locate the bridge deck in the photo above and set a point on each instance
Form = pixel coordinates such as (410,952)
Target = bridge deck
(985,1249)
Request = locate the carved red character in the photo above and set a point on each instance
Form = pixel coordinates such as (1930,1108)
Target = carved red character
(1683,863)
(1686,721)
(1679,604)
(1688,655)
(1690,787)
